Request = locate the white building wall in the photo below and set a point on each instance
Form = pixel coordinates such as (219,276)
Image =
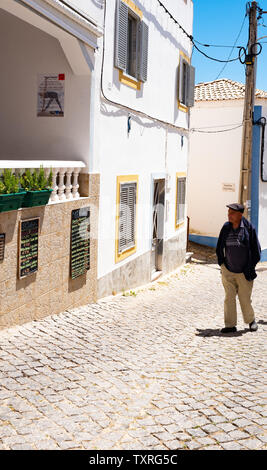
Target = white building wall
(158,96)
(145,151)
(214,160)
(263,196)
(93,9)
(25,53)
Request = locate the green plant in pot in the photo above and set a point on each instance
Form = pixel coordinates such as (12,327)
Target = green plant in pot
(37,187)
(11,194)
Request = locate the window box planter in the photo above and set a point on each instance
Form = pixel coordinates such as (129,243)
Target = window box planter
(12,201)
(36,198)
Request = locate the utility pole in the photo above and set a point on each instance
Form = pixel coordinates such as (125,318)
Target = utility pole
(245,176)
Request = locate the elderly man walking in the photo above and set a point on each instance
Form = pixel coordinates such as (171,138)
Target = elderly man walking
(238,251)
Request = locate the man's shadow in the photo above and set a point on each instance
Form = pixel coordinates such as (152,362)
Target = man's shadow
(217,332)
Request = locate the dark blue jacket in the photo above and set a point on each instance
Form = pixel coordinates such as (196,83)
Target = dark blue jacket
(250,239)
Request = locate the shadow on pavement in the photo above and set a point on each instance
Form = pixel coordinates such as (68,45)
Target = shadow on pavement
(202,254)
(216,332)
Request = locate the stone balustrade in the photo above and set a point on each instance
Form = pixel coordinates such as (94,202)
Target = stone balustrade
(65,175)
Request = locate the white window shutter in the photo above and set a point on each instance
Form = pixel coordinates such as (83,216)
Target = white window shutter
(181,188)
(127,216)
(121,35)
(131,214)
(123,217)
(191,86)
(143,51)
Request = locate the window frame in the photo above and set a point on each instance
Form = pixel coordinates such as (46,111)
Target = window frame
(184,61)
(125,75)
(123,180)
(180,222)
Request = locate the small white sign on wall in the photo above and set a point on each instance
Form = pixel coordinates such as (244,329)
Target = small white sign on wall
(228,187)
(50,99)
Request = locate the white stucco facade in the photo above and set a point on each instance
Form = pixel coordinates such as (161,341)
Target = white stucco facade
(153,148)
(214,163)
(215,168)
(117,125)
(33,44)
(263,193)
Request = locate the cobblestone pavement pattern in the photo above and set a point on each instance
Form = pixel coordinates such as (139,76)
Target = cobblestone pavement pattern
(147,370)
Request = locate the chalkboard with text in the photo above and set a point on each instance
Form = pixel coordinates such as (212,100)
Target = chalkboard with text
(28,247)
(2,246)
(80,242)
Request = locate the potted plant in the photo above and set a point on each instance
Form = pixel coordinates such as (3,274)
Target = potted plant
(11,194)
(37,187)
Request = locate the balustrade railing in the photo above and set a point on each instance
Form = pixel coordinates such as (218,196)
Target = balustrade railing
(65,174)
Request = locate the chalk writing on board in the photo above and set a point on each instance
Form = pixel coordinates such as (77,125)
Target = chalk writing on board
(28,249)
(80,242)
(2,245)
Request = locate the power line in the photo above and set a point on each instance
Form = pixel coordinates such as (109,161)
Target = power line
(175,21)
(213,58)
(216,132)
(193,40)
(215,45)
(243,22)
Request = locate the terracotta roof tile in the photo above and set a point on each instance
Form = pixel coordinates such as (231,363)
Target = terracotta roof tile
(223,89)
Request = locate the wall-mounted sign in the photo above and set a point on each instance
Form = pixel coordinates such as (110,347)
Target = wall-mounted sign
(228,187)
(28,247)
(50,99)
(80,242)
(2,245)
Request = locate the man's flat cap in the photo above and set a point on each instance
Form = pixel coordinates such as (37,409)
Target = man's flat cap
(236,207)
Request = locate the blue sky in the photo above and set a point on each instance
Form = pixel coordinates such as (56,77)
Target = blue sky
(219,22)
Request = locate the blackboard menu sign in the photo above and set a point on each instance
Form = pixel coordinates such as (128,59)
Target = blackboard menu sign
(2,245)
(80,242)
(28,247)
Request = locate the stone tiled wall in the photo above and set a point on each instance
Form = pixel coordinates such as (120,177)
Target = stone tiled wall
(50,290)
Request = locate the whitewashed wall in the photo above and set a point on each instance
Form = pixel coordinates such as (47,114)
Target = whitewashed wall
(263,197)
(158,96)
(25,52)
(142,154)
(93,9)
(214,160)
(145,151)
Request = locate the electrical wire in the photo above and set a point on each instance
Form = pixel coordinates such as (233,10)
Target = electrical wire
(243,22)
(127,108)
(213,58)
(194,41)
(215,45)
(175,21)
(215,132)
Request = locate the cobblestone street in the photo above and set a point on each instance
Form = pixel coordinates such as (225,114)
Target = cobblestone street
(145,370)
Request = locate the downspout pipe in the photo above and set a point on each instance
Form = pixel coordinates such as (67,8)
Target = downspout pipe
(262,122)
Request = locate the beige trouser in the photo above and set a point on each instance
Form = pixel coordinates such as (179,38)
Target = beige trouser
(236,284)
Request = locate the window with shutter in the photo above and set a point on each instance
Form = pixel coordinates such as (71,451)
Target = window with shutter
(180,199)
(143,51)
(126,216)
(131,44)
(121,35)
(186,83)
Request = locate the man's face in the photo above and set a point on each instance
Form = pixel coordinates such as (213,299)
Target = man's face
(234,217)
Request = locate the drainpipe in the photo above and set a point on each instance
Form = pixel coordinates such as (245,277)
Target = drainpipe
(262,122)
